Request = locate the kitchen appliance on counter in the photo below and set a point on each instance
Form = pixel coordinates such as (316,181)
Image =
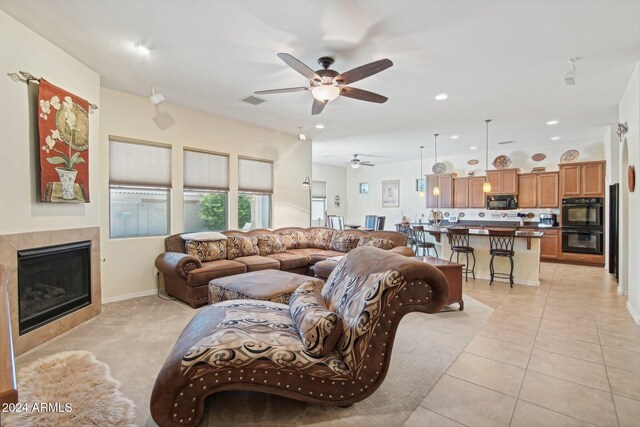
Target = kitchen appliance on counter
(582,225)
(548,220)
(502,202)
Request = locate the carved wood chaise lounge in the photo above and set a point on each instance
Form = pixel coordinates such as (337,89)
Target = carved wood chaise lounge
(270,348)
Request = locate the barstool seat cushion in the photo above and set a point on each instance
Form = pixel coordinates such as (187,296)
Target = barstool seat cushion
(501,252)
(462,249)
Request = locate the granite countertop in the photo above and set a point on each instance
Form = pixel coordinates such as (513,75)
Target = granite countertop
(491,224)
(480,232)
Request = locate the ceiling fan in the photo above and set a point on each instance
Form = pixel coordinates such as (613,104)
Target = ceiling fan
(326,84)
(356,162)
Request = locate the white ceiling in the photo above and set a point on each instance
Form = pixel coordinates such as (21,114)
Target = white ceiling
(504,60)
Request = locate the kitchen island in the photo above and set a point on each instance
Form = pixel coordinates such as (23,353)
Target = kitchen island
(526,258)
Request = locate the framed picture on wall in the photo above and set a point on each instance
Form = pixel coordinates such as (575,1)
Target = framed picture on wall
(364,188)
(421,185)
(391,193)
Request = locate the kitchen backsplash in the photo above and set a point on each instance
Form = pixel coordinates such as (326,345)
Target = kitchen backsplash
(482,214)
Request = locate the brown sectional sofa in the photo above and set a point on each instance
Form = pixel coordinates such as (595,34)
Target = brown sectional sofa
(186,277)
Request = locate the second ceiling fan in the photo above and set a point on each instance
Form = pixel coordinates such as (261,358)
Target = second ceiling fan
(326,84)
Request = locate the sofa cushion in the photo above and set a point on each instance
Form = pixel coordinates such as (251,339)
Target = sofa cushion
(295,239)
(209,250)
(289,261)
(271,244)
(204,236)
(241,246)
(321,238)
(344,242)
(257,263)
(321,255)
(318,327)
(378,243)
(213,270)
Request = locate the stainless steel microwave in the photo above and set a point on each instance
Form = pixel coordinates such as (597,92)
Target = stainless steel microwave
(502,202)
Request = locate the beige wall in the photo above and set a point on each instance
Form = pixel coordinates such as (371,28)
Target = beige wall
(128,268)
(336,179)
(23,50)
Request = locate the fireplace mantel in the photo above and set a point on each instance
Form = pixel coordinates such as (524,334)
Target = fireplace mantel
(10,244)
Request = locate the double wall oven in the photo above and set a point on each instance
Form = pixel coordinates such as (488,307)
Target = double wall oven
(582,225)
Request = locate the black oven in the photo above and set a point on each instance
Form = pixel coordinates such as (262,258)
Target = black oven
(582,240)
(582,212)
(502,202)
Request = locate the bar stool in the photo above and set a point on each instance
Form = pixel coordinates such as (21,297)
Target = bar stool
(501,244)
(459,243)
(420,241)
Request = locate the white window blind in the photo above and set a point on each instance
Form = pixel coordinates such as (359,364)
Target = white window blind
(139,164)
(318,189)
(255,175)
(205,171)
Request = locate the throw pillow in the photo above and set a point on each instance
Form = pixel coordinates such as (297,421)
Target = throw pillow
(204,236)
(344,242)
(207,250)
(378,243)
(295,239)
(271,244)
(238,246)
(318,327)
(321,238)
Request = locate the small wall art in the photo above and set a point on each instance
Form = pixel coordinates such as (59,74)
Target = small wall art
(421,184)
(364,188)
(391,193)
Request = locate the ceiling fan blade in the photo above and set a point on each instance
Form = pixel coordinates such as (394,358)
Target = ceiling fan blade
(366,164)
(363,71)
(362,95)
(283,90)
(299,66)
(317,107)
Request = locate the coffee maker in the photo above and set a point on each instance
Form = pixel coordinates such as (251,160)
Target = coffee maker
(548,220)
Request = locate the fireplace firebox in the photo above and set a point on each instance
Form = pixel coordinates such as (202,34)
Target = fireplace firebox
(53,281)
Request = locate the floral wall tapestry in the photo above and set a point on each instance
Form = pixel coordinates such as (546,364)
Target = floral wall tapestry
(63,125)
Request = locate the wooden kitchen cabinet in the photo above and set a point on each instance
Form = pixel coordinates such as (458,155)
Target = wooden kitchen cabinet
(477,199)
(503,181)
(585,179)
(550,244)
(538,190)
(445,183)
(461,193)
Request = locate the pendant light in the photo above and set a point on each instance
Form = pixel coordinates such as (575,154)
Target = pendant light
(486,187)
(420,189)
(436,189)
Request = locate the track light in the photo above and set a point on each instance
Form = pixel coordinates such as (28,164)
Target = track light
(301,136)
(156,98)
(306,183)
(570,78)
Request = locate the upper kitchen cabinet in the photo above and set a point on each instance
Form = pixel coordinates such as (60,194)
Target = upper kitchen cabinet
(477,198)
(468,192)
(445,183)
(503,181)
(461,193)
(538,190)
(585,179)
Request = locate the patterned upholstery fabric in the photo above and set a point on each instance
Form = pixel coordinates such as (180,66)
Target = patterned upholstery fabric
(271,244)
(295,239)
(241,246)
(208,250)
(378,243)
(258,335)
(344,242)
(219,293)
(321,238)
(319,328)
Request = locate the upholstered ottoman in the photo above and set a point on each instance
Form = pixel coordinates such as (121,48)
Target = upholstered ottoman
(265,285)
(323,269)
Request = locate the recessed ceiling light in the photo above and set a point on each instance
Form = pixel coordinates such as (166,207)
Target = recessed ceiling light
(552,122)
(141,49)
(555,138)
(473,148)
(441,97)
(455,136)
(319,126)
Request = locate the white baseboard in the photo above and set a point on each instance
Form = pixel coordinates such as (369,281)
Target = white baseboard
(129,296)
(502,279)
(634,314)
(621,291)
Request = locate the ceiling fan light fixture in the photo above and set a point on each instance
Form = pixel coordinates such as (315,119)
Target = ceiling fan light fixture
(325,92)
(355,165)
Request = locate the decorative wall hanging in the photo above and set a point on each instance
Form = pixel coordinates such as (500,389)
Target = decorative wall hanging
(631,176)
(391,194)
(501,162)
(538,157)
(364,188)
(569,156)
(336,201)
(63,124)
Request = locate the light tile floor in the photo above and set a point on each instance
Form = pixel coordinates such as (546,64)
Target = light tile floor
(566,353)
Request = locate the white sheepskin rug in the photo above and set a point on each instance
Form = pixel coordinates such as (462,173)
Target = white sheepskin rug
(71,388)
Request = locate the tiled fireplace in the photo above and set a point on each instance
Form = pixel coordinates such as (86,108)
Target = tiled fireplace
(54,282)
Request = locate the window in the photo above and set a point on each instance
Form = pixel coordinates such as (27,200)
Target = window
(206,185)
(255,186)
(318,203)
(139,185)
